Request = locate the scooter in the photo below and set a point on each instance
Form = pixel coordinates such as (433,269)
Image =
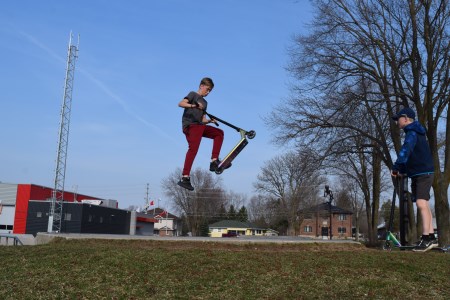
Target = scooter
(226,162)
(391,241)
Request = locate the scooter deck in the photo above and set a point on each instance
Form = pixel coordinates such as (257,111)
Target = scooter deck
(232,155)
(439,249)
(442,249)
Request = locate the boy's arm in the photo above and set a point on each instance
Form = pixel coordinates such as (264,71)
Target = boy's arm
(207,121)
(185,104)
(405,151)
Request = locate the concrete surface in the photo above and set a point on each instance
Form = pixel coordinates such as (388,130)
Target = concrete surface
(43,238)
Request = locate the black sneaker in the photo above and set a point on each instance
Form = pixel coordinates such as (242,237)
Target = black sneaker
(185,182)
(434,243)
(418,242)
(424,246)
(214,165)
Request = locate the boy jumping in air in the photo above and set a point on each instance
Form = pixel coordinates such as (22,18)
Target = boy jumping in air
(416,161)
(194,128)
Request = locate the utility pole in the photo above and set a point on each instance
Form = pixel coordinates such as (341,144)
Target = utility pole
(147,203)
(75,191)
(154,208)
(55,216)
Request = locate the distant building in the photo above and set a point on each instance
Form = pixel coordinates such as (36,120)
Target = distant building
(230,228)
(24,209)
(79,217)
(166,224)
(316,221)
(145,224)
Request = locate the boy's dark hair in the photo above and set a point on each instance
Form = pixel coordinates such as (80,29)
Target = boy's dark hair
(207,81)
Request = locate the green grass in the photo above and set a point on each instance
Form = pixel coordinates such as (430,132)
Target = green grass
(120,269)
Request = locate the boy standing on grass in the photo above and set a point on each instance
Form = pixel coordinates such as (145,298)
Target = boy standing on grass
(416,161)
(194,128)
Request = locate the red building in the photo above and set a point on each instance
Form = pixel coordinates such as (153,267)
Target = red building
(316,221)
(14,201)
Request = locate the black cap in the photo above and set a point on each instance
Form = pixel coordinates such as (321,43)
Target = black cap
(405,112)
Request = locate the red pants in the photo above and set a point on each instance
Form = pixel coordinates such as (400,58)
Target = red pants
(194,134)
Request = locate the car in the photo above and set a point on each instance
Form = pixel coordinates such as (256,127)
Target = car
(229,234)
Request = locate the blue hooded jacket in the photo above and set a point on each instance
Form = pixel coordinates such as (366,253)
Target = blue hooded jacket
(415,155)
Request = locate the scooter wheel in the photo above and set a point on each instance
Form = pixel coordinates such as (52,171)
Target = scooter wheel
(219,171)
(387,246)
(251,134)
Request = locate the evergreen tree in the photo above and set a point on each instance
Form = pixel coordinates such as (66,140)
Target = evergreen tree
(242,214)
(232,213)
(204,228)
(221,214)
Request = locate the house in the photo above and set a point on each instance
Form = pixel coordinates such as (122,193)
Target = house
(166,224)
(230,228)
(316,221)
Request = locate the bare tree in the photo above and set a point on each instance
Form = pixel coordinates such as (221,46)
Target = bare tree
(381,55)
(292,179)
(261,210)
(198,206)
(236,199)
(351,191)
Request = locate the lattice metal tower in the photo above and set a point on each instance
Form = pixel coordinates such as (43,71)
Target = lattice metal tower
(55,216)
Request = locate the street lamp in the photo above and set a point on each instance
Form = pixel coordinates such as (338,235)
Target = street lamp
(328,193)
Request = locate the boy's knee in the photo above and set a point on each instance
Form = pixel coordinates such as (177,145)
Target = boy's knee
(219,133)
(421,203)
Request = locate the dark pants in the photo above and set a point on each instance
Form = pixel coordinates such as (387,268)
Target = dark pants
(194,134)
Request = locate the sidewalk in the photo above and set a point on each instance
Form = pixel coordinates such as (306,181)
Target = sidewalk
(43,238)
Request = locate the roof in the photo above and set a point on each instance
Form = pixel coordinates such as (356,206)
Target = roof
(145,219)
(161,214)
(232,224)
(325,207)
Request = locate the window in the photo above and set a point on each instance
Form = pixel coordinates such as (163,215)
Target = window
(101,219)
(342,217)
(39,214)
(68,217)
(342,230)
(308,229)
(90,218)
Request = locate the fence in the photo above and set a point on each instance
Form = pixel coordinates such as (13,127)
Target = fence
(6,238)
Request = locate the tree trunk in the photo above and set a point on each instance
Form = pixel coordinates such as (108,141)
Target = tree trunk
(357,225)
(442,209)
(376,191)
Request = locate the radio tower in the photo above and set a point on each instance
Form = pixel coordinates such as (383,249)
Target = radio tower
(55,217)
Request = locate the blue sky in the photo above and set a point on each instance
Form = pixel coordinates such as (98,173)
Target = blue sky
(137,60)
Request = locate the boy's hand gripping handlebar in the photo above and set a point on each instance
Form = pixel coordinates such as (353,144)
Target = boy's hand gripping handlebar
(250,134)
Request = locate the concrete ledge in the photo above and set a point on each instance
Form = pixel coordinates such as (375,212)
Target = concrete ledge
(44,237)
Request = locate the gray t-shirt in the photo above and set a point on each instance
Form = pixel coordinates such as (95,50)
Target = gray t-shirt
(194,115)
